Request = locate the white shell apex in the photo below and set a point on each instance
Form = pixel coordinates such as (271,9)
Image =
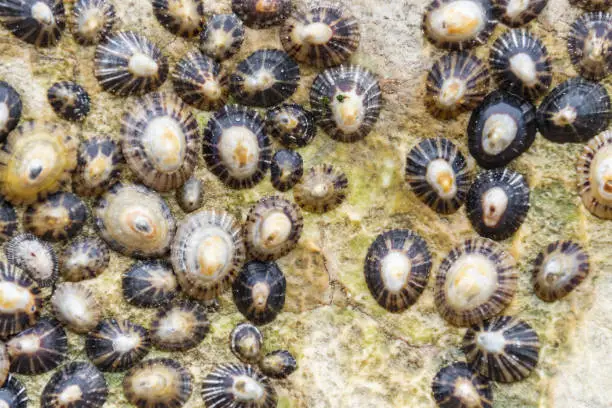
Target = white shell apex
(316,33)
(348,111)
(494,205)
(126,342)
(493,342)
(142,65)
(524,68)
(239,151)
(14,298)
(498,132)
(274,229)
(165,144)
(458,20)
(90,22)
(208,254)
(441,177)
(42,13)
(4,114)
(515,8)
(451,92)
(395,270)
(565,116)
(247,389)
(470,282)
(602,177)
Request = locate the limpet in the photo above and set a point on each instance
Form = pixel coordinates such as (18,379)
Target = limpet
(38,22)
(13,393)
(84,258)
(115,346)
(159,382)
(321,189)
(35,257)
(238,385)
(4,364)
(589,44)
(475,281)
(397,268)
(222,36)
(76,307)
(180,326)
(190,196)
(346,102)
(278,364)
(291,124)
(69,100)
(286,169)
(58,217)
(98,168)
(10,109)
(515,13)
(457,386)
(135,221)
(181,17)
(8,220)
(160,141)
(246,342)
(21,300)
(594,170)
(262,13)
(149,284)
(37,159)
(92,20)
(77,384)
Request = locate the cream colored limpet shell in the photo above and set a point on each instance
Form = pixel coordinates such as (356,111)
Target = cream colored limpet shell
(441,177)
(595,175)
(158,382)
(524,67)
(76,307)
(498,133)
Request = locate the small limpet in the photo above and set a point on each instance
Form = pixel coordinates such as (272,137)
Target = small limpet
(291,124)
(160,141)
(37,159)
(222,37)
(159,382)
(262,13)
(458,24)
(457,386)
(592,5)
(520,64)
(397,268)
(77,384)
(438,174)
(278,364)
(497,203)
(589,44)
(457,82)
(38,22)
(13,393)
(346,102)
(21,300)
(515,13)
(39,349)
(98,168)
(574,111)
(265,78)
(239,386)
(236,147)
(4,364)
(58,217)
(246,342)
(504,349)
(501,128)
(135,221)
(323,36)
(84,258)
(286,169)
(180,17)
(149,284)
(92,20)
(475,281)
(8,220)
(10,109)
(272,228)
(321,189)
(559,269)
(69,100)
(190,196)
(35,257)
(594,170)
(127,63)
(200,81)
(115,346)
(76,307)
(180,326)
(259,291)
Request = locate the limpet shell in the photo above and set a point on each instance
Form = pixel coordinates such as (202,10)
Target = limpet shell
(77,384)
(149,284)
(278,364)
(8,220)
(238,385)
(222,36)
(589,44)
(69,100)
(38,22)
(180,17)
(115,346)
(98,168)
(20,300)
(262,13)
(92,20)
(515,13)
(594,170)
(190,196)
(457,386)
(35,257)
(321,189)
(13,393)
(10,109)
(291,124)
(180,326)
(246,342)
(159,382)
(286,169)
(58,217)
(76,306)
(84,258)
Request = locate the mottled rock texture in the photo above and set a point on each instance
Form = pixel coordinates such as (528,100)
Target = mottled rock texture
(350,352)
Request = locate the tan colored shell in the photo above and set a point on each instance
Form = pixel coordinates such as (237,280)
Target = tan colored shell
(158,382)
(321,189)
(595,175)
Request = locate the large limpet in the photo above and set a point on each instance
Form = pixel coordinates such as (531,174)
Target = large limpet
(20,300)
(38,22)
(238,385)
(594,170)
(180,17)
(92,20)
(77,384)
(115,346)
(159,382)
(98,168)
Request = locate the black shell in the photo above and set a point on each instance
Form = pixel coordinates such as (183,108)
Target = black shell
(117,345)
(457,386)
(170,388)
(478,27)
(8,220)
(180,326)
(13,393)
(574,111)
(291,125)
(322,188)
(160,140)
(323,36)
(346,102)
(559,269)
(262,13)
(592,5)
(594,175)
(240,168)
(259,291)
(92,20)
(60,216)
(76,385)
(409,255)
(15,318)
(232,385)
(190,196)
(112,64)
(76,307)
(497,203)
(265,78)
(98,168)
(38,22)
(84,258)
(149,284)
(589,44)
(35,257)
(286,169)
(180,17)
(200,81)
(222,37)
(504,349)
(530,10)
(520,64)
(457,82)
(10,109)
(69,100)
(278,364)
(501,129)
(246,342)
(418,162)
(39,349)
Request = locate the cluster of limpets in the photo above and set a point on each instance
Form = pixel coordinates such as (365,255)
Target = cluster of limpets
(76,211)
